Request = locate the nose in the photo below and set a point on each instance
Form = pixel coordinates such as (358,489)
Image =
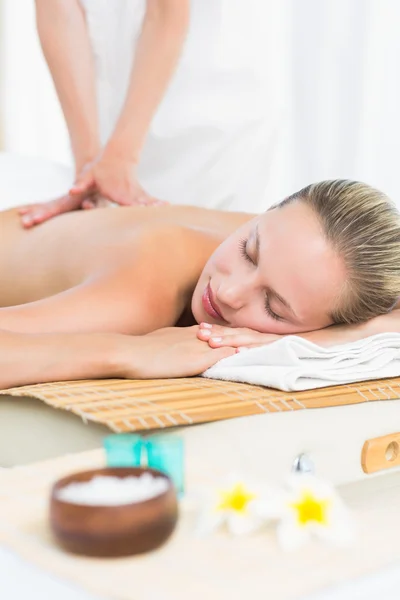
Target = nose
(231,294)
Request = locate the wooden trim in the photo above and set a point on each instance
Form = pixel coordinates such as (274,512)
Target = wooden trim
(381,453)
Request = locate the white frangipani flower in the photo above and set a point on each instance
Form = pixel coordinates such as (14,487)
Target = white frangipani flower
(240,506)
(313,508)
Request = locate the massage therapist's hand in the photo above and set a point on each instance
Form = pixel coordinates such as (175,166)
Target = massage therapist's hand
(235,337)
(34,214)
(169,352)
(107,179)
(114,178)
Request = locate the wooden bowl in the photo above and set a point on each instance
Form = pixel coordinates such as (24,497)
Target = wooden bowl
(120,530)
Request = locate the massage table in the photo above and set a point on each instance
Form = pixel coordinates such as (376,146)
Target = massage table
(346,432)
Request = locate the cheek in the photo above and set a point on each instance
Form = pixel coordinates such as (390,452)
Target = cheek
(268,325)
(256,318)
(227,258)
(222,260)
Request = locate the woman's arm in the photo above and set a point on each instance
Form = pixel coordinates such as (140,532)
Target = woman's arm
(160,44)
(66,46)
(218,336)
(158,49)
(27,358)
(174,352)
(343,334)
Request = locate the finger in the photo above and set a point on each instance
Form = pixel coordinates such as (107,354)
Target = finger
(29,208)
(37,216)
(204,334)
(232,340)
(146,200)
(242,340)
(95,202)
(134,200)
(83,186)
(79,199)
(220,329)
(21,210)
(207,330)
(42,212)
(88,204)
(102,202)
(98,201)
(124,200)
(27,221)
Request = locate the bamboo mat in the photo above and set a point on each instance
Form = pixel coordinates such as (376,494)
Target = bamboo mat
(217,567)
(134,405)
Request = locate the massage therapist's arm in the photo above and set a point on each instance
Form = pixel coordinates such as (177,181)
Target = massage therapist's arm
(157,52)
(159,47)
(108,172)
(173,352)
(66,46)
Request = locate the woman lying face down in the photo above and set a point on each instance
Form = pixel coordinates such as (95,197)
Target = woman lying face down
(329,254)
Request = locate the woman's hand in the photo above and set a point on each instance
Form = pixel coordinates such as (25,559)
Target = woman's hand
(345,334)
(234,337)
(170,352)
(113,178)
(34,214)
(219,337)
(97,184)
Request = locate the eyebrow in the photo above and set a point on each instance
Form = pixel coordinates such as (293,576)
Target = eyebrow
(271,291)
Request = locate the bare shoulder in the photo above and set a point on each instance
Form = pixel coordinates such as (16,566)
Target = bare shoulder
(159,270)
(171,252)
(145,285)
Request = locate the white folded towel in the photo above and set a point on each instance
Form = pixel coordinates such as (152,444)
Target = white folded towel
(294,364)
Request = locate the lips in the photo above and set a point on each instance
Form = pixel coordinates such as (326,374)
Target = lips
(209,304)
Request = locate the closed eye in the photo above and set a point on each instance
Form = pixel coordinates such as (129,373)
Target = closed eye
(247,257)
(270,312)
(243,250)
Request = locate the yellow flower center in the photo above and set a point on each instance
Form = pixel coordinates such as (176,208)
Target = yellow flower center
(237,498)
(309,508)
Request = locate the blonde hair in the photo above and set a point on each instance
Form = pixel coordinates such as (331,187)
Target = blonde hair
(363,225)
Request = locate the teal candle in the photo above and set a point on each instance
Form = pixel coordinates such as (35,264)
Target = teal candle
(123,450)
(166,453)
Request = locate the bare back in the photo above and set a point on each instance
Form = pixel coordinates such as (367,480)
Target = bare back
(120,246)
